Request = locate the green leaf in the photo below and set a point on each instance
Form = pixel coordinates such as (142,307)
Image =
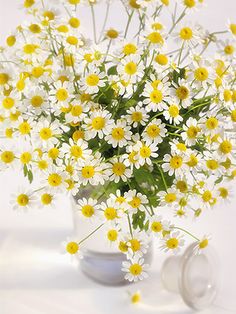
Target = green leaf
(25,171)
(30,176)
(112,70)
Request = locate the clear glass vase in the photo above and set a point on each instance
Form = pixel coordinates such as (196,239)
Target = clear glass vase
(101,261)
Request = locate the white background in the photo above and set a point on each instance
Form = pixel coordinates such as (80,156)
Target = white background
(35,278)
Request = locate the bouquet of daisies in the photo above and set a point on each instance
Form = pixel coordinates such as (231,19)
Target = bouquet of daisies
(144,127)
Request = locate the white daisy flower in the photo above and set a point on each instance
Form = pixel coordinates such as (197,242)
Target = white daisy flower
(135,270)
(97,124)
(119,134)
(154,132)
(117,170)
(172,242)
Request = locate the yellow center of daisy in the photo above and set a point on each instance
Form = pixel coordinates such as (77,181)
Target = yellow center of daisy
(54,179)
(92,80)
(161,59)
(182,92)
(46,199)
(76,151)
(76,110)
(36,101)
(233,115)
(88,172)
(118,134)
(53,153)
(135,269)
(155,38)
(7,157)
(176,162)
(207,196)
(134,4)
(87,210)
(11,40)
(135,245)
(28,3)
(72,40)
(29,48)
(98,123)
(23,200)
(212,164)
(172,243)
(35,28)
(45,134)
(4,78)
(212,123)
(192,132)
(110,213)
(130,68)
(129,49)
(132,156)
(137,116)
(226,147)
(229,49)
(135,203)
(233,28)
(62,94)
(118,168)
(72,248)
(25,158)
(37,72)
(203,244)
(224,193)
(153,131)
(156,226)
(190,3)
(145,152)
(201,74)
(74,22)
(173,111)
(193,161)
(8,103)
(24,128)
(182,186)
(112,33)
(123,247)
(170,197)
(156,96)
(186,33)
(112,235)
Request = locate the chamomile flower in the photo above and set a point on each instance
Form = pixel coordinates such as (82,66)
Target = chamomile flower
(174,164)
(76,150)
(191,131)
(46,133)
(146,152)
(23,200)
(118,134)
(155,96)
(118,170)
(111,211)
(137,116)
(77,112)
(130,68)
(47,199)
(183,93)
(93,80)
(88,208)
(135,269)
(172,112)
(154,132)
(172,242)
(156,225)
(138,201)
(97,124)
(71,247)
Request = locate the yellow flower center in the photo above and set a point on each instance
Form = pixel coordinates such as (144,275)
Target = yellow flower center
(233,28)
(112,235)
(46,199)
(11,40)
(212,123)
(37,72)
(172,243)
(112,33)
(193,161)
(170,197)
(182,147)
(7,157)
(76,110)
(72,248)
(145,152)
(36,101)
(135,203)
(161,59)
(62,94)
(98,123)
(23,200)
(8,103)
(72,40)
(186,33)
(153,131)
(224,193)
(176,162)
(118,134)
(45,134)
(24,128)
(35,28)
(233,115)
(88,172)
(4,78)
(190,3)
(25,158)
(156,226)
(54,179)
(131,68)
(229,49)
(182,186)
(29,48)
(28,3)
(110,213)
(207,196)
(137,116)
(74,22)
(156,96)
(42,164)
(212,164)
(155,38)
(118,168)
(201,74)
(192,132)
(77,135)
(135,245)
(203,244)
(132,156)
(226,147)
(92,80)
(129,49)
(173,111)
(182,92)
(87,211)
(227,95)
(134,4)
(123,247)
(135,269)
(53,153)
(76,151)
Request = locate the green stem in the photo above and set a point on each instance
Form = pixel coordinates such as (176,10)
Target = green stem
(88,236)
(178,228)
(128,23)
(94,23)
(105,21)
(163,177)
(130,225)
